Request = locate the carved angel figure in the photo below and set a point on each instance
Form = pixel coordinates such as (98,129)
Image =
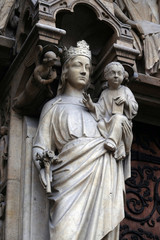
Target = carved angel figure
(43,75)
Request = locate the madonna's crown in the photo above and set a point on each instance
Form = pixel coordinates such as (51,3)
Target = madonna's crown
(81,49)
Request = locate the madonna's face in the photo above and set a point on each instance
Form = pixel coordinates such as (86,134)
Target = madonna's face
(78,72)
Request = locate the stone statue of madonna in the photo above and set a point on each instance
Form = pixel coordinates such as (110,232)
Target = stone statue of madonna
(87,183)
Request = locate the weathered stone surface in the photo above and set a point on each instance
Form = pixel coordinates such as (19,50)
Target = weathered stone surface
(5,9)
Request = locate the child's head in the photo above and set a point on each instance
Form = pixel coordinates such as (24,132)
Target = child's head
(114,73)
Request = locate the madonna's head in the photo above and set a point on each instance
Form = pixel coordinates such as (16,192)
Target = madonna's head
(76,68)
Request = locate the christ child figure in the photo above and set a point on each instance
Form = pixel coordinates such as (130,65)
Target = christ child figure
(114,111)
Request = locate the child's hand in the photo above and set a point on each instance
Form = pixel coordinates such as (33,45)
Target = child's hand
(120,100)
(87,101)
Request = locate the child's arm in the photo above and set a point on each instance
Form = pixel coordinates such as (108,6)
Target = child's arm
(87,101)
(98,109)
(37,75)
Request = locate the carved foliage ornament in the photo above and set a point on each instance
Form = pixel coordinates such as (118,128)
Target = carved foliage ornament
(143,204)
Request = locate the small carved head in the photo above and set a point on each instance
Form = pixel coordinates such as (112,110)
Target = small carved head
(49,56)
(115,73)
(109,66)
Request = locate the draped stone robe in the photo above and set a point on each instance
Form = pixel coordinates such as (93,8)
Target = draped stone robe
(87,199)
(143,12)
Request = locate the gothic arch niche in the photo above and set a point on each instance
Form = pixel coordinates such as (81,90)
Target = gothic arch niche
(83,24)
(101,30)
